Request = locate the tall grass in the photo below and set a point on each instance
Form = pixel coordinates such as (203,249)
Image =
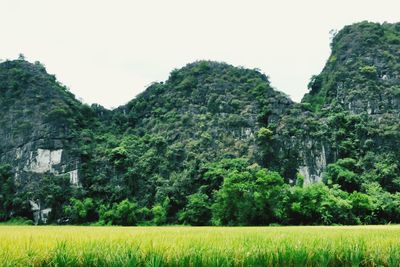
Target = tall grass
(199,246)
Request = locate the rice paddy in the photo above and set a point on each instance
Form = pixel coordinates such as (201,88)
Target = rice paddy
(199,246)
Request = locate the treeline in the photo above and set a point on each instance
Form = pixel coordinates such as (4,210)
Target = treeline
(242,194)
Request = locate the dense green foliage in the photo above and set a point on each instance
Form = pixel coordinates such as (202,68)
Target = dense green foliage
(350,118)
(213,145)
(363,65)
(261,195)
(7,191)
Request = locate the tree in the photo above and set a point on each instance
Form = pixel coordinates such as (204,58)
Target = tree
(387,172)
(319,204)
(343,173)
(160,212)
(81,211)
(197,211)
(315,83)
(381,203)
(363,208)
(369,71)
(125,213)
(7,191)
(214,172)
(249,197)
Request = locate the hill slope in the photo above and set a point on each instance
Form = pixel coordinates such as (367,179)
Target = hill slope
(39,125)
(164,138)
(352,109)
(193,149)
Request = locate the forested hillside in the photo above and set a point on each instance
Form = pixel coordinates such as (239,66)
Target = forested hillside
(212,145)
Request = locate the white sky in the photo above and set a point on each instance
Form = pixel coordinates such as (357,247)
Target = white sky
(107,52)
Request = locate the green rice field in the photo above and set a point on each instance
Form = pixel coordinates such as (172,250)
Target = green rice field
(200,246)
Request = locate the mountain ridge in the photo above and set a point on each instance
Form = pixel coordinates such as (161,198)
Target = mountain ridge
(176,144)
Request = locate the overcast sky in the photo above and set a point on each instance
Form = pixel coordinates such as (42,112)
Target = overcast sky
(107,52)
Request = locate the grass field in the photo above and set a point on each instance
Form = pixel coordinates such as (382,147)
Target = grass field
(199,246)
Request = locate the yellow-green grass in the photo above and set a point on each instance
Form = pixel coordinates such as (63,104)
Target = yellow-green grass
(199,246)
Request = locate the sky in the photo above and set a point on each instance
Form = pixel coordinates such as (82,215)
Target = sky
(107,52)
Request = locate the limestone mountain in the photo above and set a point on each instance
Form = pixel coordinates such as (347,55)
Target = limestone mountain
(363,72)
(205,112)
(38,124)
(154,148)
(184,148)
(352,109)
(211,108)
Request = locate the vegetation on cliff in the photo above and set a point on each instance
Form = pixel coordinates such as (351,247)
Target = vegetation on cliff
(214,144)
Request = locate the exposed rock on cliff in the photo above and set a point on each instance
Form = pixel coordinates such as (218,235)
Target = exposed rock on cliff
(157,148)
(353,102)
(38,125)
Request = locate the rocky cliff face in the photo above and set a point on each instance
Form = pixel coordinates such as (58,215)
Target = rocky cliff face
(210,100)
(355,100)
(38,125)
(204,112)
(38,117)
(156,148)
(363,72)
